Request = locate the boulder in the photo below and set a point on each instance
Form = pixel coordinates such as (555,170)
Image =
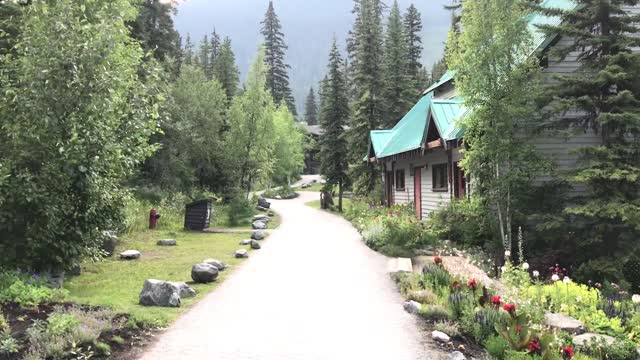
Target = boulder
(585,339)
(263,217)
(260,208)
(456,355)
(262,202)
(564,323)
(130,255)
(204,273)
(259,225)
(440,336)
(271,213)
(109,242)
(217,263)
(422,296)
(167,242)
(184,290)
(242,253)
(257,235)
(246,242)
(412,307)
(255,245)
(159,293)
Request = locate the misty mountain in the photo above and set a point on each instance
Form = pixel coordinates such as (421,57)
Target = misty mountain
(309,27)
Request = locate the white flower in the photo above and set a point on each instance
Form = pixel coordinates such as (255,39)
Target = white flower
(504,268)
(507,253)
(525,266)
(636,299)
(566,280)
(536,273)
(555,277)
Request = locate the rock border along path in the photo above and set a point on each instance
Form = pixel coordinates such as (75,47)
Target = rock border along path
(314,291)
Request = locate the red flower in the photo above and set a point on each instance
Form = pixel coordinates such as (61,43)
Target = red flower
(495,300)
(567,352)
(437,260)
(472,284)
(510,308)
(534,346)
(519,329)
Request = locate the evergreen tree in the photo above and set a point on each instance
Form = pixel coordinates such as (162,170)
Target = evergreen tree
(188,52)
(155,30)
(603,95)
(311,108)
(366,52)
(205,57)
(225,69)
(215,47)
(275,47)
(334,115)
(398,93)
(413,27)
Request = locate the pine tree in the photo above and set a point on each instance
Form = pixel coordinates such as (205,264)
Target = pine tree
(275,47)
(311,108)
(215,46)
(602,96)
(205,57)
(366,53)
(398,94)
(412,28)
(225,69)
(188,51)
(334,115)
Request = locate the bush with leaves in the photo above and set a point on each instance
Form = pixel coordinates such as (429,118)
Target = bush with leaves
(79,107)
(26,290)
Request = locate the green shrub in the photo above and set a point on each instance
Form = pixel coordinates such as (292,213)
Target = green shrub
(447,327)
(4,324)
(239,210)
(434,313)
(497,347)
(374,235)
(8,344)
(27,291)
(519,355)
(467,222)
(61,323)
(282,192)
(479,323)
(619,350)
(436,278)
(103,348)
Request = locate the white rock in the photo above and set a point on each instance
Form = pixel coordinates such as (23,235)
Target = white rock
(259,225)
(167,242)
(245,242)
(440,336)
(412,307)
(564,323)
(457,355)
(242,253)
(130,255)
(585,339)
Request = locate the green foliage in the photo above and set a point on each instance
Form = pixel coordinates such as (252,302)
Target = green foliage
(311,108)
(334,114)
(249,145)
(225,69)
(467,222)
(27,290)
(448,328)
(434,313)
(496,77)
(79,107)
(514,276)
(480,323)
(277,81)
(288,145)
(239,209)
(437,278)
(619,350)
(281,192)
(413,28)
(497,347)
(192,150)
(8,344)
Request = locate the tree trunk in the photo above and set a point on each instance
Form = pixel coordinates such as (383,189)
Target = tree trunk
(340,196)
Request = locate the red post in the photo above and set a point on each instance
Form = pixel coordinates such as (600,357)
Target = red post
(153,219)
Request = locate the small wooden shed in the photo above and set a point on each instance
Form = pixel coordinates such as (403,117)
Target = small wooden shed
(198,215)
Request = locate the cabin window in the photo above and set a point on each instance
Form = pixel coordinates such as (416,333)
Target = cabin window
(440,180)
(400,180)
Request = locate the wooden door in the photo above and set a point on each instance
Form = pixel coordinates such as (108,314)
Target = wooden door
(460,181)
(389,188)
(417,191)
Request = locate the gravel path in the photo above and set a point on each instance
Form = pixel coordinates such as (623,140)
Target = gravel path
(314,291)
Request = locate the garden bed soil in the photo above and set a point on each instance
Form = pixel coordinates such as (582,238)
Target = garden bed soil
(21,318)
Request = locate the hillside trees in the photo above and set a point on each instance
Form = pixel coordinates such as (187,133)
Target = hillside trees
(498,80)
(154,28)
(334,115)
(603,96)
(277,68)
(225,69)
(412,28)
(75,123)
(311,108)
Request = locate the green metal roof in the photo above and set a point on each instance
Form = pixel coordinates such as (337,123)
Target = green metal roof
(443,80)
(540,39)
(406,135)
(446,114)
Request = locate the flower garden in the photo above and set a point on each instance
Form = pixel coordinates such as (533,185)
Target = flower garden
(511,324)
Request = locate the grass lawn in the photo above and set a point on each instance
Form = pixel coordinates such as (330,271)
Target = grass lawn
(117,284)
(316,204)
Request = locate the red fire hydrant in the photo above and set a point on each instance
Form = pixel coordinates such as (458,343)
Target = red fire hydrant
(153,219)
